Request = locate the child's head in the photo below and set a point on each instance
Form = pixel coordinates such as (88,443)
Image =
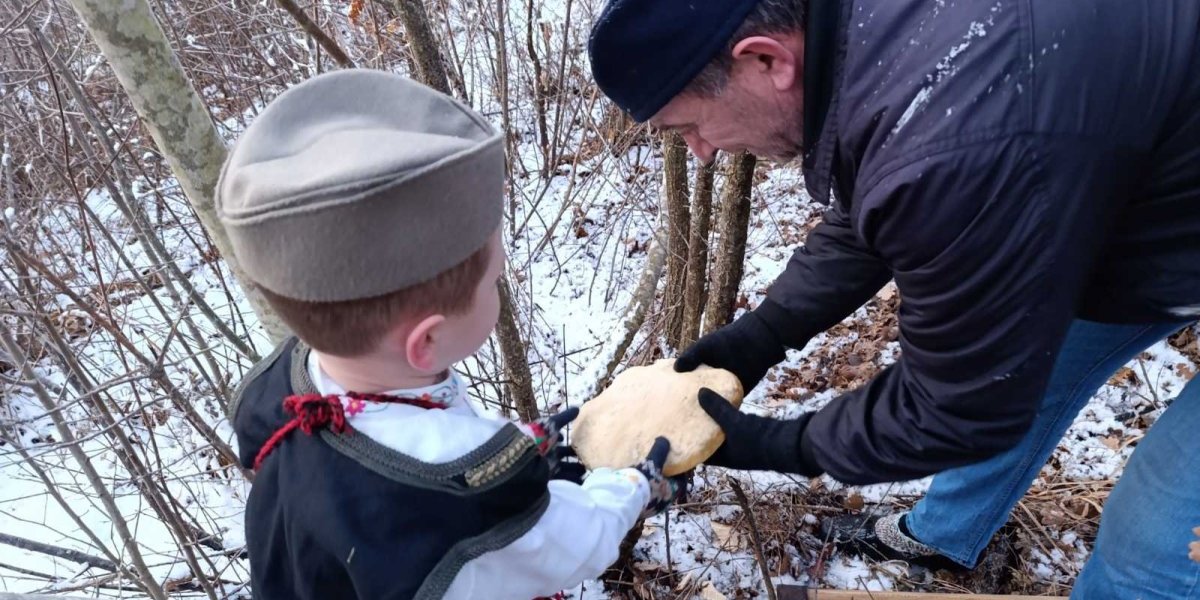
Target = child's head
(367,207)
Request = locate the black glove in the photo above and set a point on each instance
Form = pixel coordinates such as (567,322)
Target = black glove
(547,435)
(747,347)
(758,443)
(663,490)
(565,465)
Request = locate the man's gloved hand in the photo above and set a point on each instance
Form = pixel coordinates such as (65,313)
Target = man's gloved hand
(758,443)
(663,490)
(747,347)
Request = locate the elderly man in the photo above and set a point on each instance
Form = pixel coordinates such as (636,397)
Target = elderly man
(1029,175)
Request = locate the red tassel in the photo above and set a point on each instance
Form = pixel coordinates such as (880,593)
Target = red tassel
(314,411)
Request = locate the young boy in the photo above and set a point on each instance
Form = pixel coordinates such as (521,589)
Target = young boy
(367,208)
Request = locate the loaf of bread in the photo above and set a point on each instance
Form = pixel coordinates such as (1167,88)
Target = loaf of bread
(617,428)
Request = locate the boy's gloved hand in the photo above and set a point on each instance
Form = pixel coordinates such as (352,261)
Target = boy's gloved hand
(663,490)
(547,435)
(747,347)
(758,443)
(565,465)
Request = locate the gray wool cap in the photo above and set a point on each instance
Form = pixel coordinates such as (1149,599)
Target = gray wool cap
(358,183)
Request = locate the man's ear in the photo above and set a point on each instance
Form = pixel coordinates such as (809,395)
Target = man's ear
(771,58)
(419,346)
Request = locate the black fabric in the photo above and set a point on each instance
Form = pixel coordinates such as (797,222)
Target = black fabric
(682,36)
(821,35)
(321,525)
(757,443)
(748,347)
(1013,165)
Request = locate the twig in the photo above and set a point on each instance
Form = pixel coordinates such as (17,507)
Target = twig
(58,551)
(146,579)
(311,28)
(758,545)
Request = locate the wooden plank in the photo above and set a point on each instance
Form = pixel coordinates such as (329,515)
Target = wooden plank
(791,592)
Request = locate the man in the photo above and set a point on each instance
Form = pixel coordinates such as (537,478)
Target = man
(1029,175)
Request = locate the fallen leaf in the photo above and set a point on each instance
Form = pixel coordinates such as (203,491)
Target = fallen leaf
(726,537)
(854,502)
(684,582)
(708,592)
(1112,442)
(888,292)
(1124,377)
(648,566)
(1055,517)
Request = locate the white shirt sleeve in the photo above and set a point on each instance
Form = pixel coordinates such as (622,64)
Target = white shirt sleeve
(576,539)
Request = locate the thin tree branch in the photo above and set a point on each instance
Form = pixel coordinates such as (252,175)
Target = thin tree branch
(311,28)
(58,552)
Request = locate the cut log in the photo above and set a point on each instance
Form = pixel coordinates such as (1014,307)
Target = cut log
(795,592)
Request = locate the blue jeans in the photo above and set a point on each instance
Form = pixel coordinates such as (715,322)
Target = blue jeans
(1141,550)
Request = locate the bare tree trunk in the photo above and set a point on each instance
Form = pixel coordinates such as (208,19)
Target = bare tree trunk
(731,247)
(424,46)
(635,312)
(539,90)
(314,30)
(501,75)
(512,347)
(617,129)
(694,293)
(516,361)
(134,43)
(675,199)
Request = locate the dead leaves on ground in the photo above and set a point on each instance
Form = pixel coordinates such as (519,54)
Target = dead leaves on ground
(845,365)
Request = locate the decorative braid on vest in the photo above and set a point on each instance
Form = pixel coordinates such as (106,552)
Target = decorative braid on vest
(312,412)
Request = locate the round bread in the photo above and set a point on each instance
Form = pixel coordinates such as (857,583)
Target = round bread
(617,428)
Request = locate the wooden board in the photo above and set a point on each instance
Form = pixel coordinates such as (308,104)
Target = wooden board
(791,592)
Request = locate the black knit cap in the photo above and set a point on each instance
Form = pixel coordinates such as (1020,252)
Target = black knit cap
(644,52)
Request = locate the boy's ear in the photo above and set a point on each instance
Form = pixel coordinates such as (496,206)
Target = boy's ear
(419,344)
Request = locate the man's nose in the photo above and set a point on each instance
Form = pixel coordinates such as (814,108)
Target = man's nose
(702,149)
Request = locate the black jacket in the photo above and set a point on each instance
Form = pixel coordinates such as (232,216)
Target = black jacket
(341,516)
(1013,165)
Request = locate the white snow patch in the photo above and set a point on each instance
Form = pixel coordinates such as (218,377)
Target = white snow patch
(918,101)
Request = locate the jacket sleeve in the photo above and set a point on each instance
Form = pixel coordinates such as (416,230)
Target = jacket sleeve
(990,245)
(826,279)
(576,539)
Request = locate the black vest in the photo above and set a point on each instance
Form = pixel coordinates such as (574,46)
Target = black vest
(341,516)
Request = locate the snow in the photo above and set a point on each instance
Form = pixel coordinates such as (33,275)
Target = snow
(917,103)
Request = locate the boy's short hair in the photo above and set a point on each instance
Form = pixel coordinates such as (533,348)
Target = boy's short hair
(351,328)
